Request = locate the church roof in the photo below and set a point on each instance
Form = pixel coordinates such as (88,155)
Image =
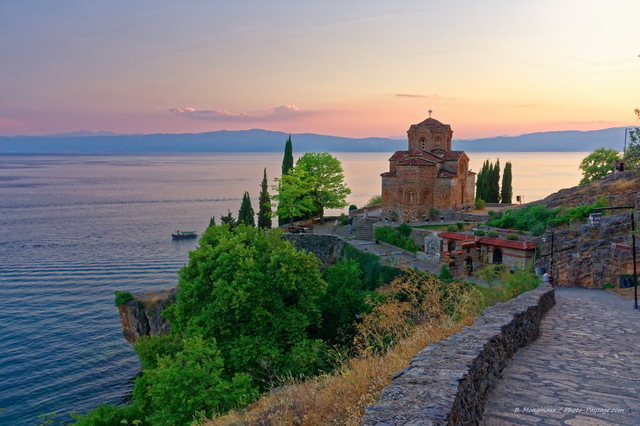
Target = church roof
(443,173)
(402,155)
(413,161)
(431,123)
(452,155)
(387,174)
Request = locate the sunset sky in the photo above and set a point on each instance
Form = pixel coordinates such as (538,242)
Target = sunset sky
(345,68)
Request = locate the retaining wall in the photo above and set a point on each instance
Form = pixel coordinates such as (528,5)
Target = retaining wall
(448,381)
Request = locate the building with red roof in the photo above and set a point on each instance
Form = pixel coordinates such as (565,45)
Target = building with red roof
(429,175)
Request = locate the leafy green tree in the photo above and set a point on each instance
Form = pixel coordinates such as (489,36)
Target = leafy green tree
(257,296)
(325,179)
(246,214)
(294,195)
(598,164)
(190,382)
(506,193)
(632,153)
(344,299)
(264,212)
(376,199)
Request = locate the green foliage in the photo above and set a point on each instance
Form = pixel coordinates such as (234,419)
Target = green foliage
(501,285)
(433,213)
(246,215)
(506,193)
(325,180)
(493,234)
(122,297)
(376,199)
(488,182)
(344,219)
(394,237)
(481,205)
(255,294)
(445,275)
(404,230)
(534,217)
(229,220)
(353,207)
(374,273)
(452,228)
(294,194)
(598,164)
(512,237)
(479,233)
(538,229)
(345,297)
(212,221)
(113,415)
(192,381)
(149,348)
(287,160)
(460,226)
(607,286)
(264,212)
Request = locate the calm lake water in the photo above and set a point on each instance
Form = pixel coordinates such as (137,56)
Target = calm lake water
(73,229)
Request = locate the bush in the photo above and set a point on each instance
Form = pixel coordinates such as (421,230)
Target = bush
(353,207)
(433,213)
(493,234)
(122,297)
(394,237)
(480,205)
(538,229)
(452,228)
(460,226)
(512,237)
(479,233)
(445,275)
(491,213)
(404,230)
(111,415)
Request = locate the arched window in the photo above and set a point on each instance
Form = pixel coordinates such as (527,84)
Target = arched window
(497,256)
(411,197)
(451,246)
(423,144)
(438,140)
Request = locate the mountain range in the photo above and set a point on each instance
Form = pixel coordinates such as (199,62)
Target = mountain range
(257,140)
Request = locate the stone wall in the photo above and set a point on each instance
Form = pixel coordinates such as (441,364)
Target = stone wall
(448,381)
(327,248)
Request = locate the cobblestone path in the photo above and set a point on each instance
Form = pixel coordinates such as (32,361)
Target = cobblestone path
(584,369)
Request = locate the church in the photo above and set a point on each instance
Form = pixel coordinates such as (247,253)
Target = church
(428,176)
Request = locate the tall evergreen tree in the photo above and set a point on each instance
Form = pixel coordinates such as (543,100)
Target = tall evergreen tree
(246,215)
(264,212)
(287,161)
(229,220)
(495,183)
(507,190)
(287,164)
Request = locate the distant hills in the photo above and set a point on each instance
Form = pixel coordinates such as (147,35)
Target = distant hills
(257,140)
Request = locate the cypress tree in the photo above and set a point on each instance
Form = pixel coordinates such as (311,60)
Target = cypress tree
(264,212)
(507,190)
(495,182)
(287,164)
(246,213)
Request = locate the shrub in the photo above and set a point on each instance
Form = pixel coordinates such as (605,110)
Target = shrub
(433,213)
(512,237)
(493,234)
(404,230)
(538,229)
(122,297)
(479,233)
(444,273)
(491,213)
(460,226)
(394,237)
(353,207)
(452,228)
(480,205)
(108,415)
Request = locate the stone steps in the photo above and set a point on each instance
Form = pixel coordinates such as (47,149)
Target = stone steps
(361,229)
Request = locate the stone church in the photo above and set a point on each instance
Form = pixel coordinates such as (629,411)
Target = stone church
(429,175)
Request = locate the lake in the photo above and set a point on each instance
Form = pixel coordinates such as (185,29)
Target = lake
(75,228)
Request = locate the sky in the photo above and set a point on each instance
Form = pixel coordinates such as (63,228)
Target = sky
(350,68)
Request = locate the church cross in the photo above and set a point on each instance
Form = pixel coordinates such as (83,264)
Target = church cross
(429,113)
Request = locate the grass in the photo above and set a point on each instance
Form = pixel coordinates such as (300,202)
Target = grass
(418,309)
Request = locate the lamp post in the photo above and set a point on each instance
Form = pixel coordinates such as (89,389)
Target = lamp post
(633,247)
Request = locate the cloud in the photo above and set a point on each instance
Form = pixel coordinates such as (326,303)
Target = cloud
(433,96)
(283,112)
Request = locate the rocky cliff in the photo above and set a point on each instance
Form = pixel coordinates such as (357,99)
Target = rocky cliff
(585,255)
(142,315)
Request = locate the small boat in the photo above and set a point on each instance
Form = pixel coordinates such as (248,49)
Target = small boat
(182,235)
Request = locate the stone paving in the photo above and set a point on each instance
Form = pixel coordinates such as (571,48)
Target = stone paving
(584,369)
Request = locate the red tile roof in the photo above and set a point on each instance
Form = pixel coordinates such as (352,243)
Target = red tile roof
(442,173)
(496,242)
(452,155)
(386,174)
(430,123)
(416,162)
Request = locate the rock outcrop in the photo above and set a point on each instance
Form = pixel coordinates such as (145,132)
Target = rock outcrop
(142,315)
